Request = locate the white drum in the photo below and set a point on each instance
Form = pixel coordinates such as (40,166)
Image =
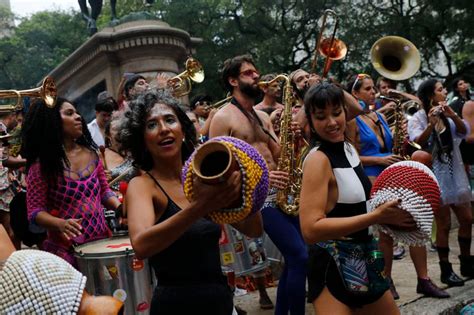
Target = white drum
(243,254)
(112,269)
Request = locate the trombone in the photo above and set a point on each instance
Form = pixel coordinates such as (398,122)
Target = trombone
(330,47)
(47,91)
(181,84)
(219,104)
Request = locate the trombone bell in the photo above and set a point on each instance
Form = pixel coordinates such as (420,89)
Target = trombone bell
(395,58)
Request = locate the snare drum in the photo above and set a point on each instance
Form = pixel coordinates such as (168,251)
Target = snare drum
(243,254)
(112,269)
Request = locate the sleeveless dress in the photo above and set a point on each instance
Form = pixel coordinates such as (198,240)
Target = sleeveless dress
(189,275)
(449,171)
(353,193)
(370,146)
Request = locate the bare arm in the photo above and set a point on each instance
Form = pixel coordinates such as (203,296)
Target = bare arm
(273,144)
(251,226)
(147,238)
(354,109)
(146,204)
(219,125)
(14,162)
(468,116)
(315,226)
(207,124)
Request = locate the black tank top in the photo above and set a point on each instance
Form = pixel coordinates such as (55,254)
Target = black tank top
(193,258)
(352,183)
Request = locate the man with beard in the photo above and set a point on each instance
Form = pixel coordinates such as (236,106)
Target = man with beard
(271,95)
(239,119)
(301,81)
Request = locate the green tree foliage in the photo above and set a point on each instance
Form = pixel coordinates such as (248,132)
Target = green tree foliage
(280,35)
(38,45)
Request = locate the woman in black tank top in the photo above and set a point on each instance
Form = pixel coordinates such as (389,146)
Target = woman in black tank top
(180,242)
(333,203)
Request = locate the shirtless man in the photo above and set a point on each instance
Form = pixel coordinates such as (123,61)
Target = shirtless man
(271,94)
(240,120)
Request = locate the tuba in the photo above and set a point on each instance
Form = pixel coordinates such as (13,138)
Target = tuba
(47,91)
(181,84)
(291,157)
(396,58)
(330,47)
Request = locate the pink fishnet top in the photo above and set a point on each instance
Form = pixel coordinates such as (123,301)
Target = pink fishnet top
(72,198)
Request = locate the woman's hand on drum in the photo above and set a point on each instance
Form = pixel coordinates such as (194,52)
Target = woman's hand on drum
(390,213)
(390,159)
(278,179)
(70,228)
(218,196)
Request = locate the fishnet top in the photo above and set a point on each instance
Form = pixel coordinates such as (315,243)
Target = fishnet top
(79,198)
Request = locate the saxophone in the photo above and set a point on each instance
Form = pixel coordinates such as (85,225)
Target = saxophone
(401,145)
(291,156)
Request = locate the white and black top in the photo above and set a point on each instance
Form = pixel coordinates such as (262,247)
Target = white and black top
(352,183)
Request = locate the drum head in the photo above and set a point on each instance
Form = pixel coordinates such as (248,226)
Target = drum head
(105,248)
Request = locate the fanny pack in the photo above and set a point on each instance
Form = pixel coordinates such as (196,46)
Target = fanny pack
(360,266)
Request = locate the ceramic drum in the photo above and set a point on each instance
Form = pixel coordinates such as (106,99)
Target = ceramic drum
(243,254)
(112,269)
(214,161)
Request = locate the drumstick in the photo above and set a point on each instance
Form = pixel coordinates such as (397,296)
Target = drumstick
(102,152)
(122,175)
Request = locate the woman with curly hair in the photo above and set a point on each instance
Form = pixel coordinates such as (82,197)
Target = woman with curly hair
(66,184)
(181,243)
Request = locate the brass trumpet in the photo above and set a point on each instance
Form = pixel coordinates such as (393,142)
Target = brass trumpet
(330,47)
(181,84)
(47,91)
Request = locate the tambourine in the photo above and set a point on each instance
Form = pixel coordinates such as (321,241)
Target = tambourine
(417,188)
(214,161)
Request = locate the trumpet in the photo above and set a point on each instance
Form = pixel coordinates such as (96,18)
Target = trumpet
(330,47)
(181,84)
(47,91)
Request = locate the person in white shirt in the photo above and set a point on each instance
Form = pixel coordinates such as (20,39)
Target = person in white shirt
(103,113)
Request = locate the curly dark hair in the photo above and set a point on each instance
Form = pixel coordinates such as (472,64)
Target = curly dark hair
(318,97)
(132,127)
(42,138)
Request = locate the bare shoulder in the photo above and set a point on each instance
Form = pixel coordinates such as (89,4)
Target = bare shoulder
(263,116)
(144,187)
(468,109)
(316,163)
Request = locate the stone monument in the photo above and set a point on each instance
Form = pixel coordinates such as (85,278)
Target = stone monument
(146,47)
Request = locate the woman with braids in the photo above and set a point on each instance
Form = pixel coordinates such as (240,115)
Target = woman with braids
(181,243)
(438,128)
(66,184)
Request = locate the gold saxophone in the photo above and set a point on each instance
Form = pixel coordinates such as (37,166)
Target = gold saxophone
(291,156)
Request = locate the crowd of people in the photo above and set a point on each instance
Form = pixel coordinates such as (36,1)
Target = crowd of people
(72,170)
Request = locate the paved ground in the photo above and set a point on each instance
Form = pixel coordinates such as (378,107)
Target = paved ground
(404,277)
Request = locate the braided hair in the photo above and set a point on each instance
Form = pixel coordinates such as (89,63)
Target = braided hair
(43,139)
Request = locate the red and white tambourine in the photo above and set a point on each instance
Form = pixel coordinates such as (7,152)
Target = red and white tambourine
(417,187)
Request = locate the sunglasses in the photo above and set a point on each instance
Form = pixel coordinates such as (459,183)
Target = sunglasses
(360,77)
(250,73)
